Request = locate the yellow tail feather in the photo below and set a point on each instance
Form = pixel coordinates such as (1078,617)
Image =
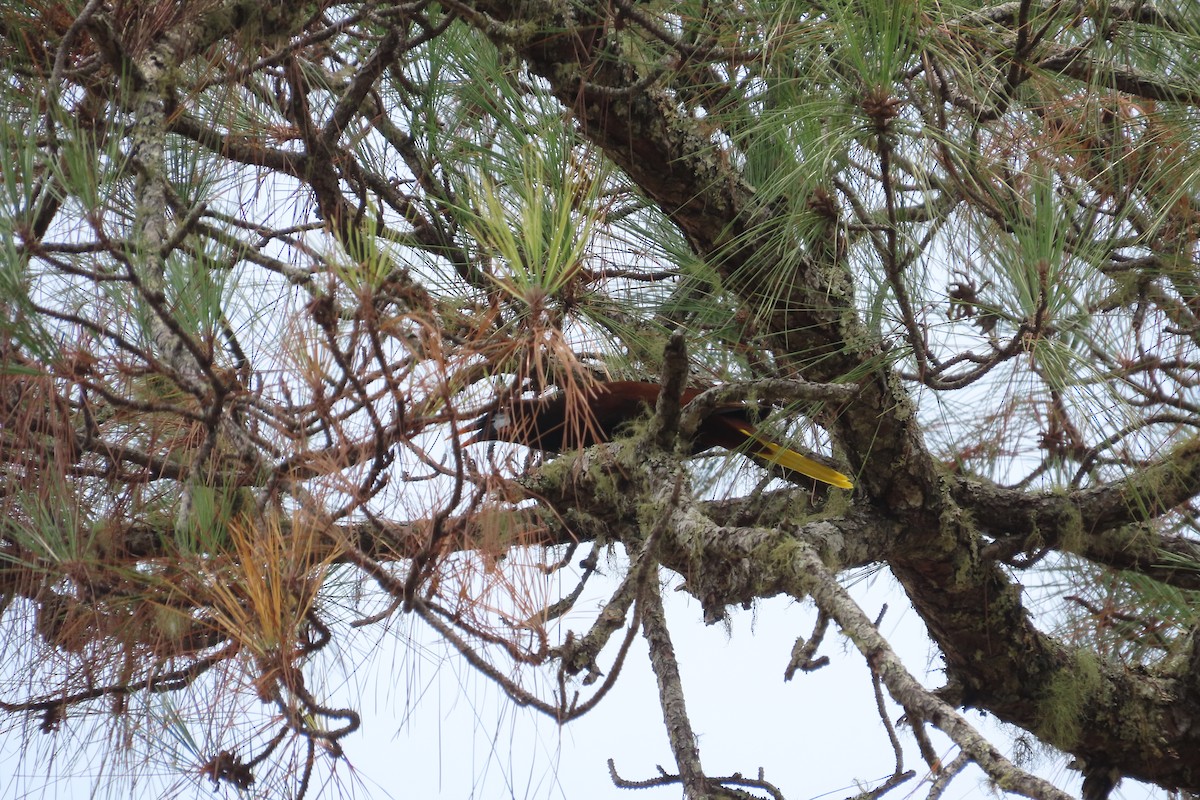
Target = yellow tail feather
(790,459)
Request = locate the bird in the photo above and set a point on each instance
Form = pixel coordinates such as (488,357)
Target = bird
(542,424)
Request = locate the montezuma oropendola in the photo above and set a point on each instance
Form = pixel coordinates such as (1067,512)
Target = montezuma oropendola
(541,424)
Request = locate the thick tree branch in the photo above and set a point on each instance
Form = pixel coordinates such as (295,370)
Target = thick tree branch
(907,690)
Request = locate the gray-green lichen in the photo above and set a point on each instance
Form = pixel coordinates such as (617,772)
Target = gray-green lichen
(1072,693)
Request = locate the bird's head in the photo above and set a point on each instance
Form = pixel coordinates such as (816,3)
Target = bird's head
(494,426)
(536,423)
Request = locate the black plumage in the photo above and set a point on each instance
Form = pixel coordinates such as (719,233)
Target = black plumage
(542,424)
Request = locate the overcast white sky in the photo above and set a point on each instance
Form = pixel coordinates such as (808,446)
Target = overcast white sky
(433,727)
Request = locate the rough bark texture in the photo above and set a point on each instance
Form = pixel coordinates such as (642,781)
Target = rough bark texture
(176,448)
(1140,724)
